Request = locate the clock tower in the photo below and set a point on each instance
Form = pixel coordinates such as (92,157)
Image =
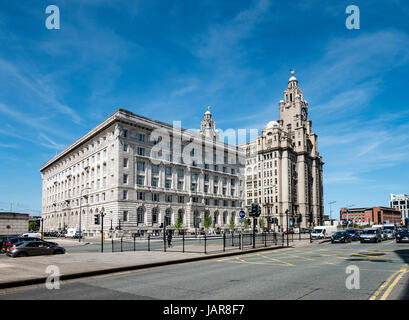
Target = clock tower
(293,109)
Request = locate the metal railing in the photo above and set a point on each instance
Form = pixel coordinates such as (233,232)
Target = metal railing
(203,243)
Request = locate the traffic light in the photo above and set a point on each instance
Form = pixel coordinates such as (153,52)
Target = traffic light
(249,222)
(258,210)
(96,219)
(299,218)
(253,210)
(310,217)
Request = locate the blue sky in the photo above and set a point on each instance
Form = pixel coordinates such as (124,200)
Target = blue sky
(169,59)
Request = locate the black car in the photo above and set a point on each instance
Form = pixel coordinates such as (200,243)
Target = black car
(11,241)
(341,236)
(354,233)
(402,235)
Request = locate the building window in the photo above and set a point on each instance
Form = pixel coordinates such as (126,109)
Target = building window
(168,198)
(139,180)
(155,197)
(125,216)
(125,148)
(168,171)
(140,215)
(141,137)
(141,195)
(168,183)
(125,195)
(125,163)
(140,151)
(180,173)
(125,178)
(124,133)
(181,199)
(155,169)
(155,182)
(180,185)
(155,215)
(140,166)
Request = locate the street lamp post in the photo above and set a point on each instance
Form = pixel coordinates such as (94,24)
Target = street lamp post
(80,235)
(286,212)
(102,230)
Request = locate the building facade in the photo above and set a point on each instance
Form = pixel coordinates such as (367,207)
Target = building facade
(400,202)
(12,223)
(283,166)
(132,172)
(371,215)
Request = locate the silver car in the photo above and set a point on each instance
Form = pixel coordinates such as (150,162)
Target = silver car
(371,235)
(34,248)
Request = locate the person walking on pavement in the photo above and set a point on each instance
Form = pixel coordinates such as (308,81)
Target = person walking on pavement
(169,239)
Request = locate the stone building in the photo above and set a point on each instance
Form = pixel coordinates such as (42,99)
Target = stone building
(283,167)
(132,171)
(12,224)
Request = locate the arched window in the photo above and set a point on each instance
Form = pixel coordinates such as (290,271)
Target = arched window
(140,215)
(215,218)
(155,215)
(180,214)
(168,215)
(225,217)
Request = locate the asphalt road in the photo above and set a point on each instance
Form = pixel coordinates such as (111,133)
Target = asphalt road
(314,272)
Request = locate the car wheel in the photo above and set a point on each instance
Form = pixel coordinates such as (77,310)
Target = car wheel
(58,252)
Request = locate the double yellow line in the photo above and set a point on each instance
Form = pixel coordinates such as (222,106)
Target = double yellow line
(389,284)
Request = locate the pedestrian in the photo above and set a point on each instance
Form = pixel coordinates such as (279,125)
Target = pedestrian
(169,239)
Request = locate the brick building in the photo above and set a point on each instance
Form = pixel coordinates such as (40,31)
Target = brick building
(371,215)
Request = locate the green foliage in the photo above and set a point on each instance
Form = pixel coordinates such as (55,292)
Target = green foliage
(207,222)
(246,224)
(232,224)
(33,225)
(262,224)
(178,224)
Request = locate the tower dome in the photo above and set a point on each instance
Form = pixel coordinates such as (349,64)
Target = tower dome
(272,124)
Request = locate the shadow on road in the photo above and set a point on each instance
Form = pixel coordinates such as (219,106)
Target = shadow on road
(404,255)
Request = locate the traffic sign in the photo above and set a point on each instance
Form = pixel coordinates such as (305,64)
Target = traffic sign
(242,214)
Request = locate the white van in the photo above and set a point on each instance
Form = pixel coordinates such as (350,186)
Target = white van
(322,232)
(32,235)
(72,232)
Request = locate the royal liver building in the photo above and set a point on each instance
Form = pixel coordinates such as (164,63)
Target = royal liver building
(283,167)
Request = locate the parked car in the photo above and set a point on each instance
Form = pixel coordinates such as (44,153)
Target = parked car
(322,232)
(371,235)
(354,233)
(402,235)
(289,231)
(390,234)
(34,248)
(341,236)
(13,240)
(384,234)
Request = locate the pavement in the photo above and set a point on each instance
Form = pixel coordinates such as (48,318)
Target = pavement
(76,264)
(312,272)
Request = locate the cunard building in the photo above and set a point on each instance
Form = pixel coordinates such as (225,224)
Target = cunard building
(132,172)
(283,167)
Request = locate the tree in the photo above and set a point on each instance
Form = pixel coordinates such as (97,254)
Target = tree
(246,224)
(33,225)
(262,224)
(179,223)
(232,224)
(207,222)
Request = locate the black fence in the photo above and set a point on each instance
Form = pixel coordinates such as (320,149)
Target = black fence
(202,243)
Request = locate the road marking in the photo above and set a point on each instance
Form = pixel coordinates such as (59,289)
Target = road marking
(373,297)
(276,260)
(394,283)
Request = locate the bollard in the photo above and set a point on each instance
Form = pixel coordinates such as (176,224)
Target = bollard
(282,240)
(205,242)
(134,238)
(121,245)
(183,242)
(112,244)
(224,241)
(149,242)
(265,239)
(164,242)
